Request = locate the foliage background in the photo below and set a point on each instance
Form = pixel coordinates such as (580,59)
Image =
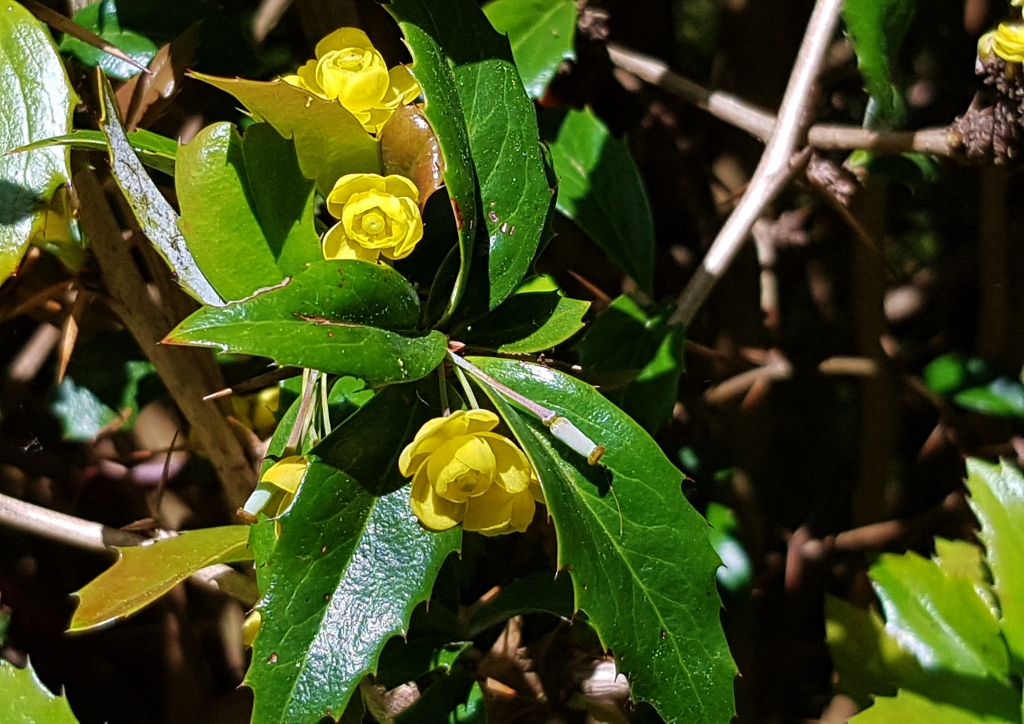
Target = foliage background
(798,460)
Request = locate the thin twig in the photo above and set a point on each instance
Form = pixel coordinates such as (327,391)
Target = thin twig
(775,165)
(91,536)
(760,123)
(64,25)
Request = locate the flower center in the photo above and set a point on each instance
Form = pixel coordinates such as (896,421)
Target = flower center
(373,222)
(351,59)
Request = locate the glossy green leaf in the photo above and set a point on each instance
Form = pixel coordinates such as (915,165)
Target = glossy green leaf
(527,322)
(997,498)
(939,618)
(101,18)
(599,187)
(338,317)
(246,210)
(736,570)
(642,567)
(156,217)
(876,29)
(487,128)
(868,661)
(961,559)
(329,141)
(156,151)
(38,102)
(654,355)
(24,699)
(910,708)
(350,565)
(541,33)
(1002,397)
(143,574)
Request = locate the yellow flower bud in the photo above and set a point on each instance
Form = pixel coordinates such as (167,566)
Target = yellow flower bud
(350,70)
(277,487)
(1008,42)
(378,215)
(464,473)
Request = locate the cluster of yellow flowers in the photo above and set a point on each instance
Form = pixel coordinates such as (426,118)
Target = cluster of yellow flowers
(464,473)
(377,215)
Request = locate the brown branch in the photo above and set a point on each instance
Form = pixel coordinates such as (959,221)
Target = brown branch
(775,168)
(188,373)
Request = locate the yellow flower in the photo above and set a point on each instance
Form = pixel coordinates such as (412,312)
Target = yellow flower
(350,70)
(378,215)
(464,473)
(276,488)
(1008,42)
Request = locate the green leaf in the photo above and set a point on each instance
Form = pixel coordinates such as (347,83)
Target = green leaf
(961,559)
(487,128)
(949,628)
(143,574)
(997,498)
(155,215)
(38,102)
(329,141)
(876,29)
(541,33)
(337,317)
(642,566)
(546,592)
(156,151)
(350,565)
(867,660)
(654,354)
(246,210)
(24,699)
(910,708)
(101,18)
(1002,397)
(599,187)
(736,570)
(527,322)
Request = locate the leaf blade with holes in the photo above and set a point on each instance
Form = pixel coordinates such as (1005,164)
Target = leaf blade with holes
(661,569)
(487,128)
(38,102)
(143,574)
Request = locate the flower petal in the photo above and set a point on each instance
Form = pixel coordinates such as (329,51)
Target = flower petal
(434,512)
(401,186)
(490,513)
(287,473)
(350,184)
(343,38)
(513,468)
(461,468)
(337,245)
(437,431)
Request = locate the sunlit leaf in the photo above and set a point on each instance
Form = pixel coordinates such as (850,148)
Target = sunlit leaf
(910,708)
(329,141)
(24,699)
(143,574)
(527,322)
(156,151)
(541,33)
(876,29)
(37,102)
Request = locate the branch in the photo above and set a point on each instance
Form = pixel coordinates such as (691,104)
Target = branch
(760,124)
(774,169)
(91,536)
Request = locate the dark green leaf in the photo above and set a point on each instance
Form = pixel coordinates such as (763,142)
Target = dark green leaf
(145,573)
(546,592)
(487,128)
(1002,397)
(337,317)
(350,554)
(24,699)
(101,18)
(876,29)
(642,566)
(654,355)
(37,103)
(329,141)
(541,33)
(156,151)
(599,187)
(910,708)
(156,218)
(997,498)
(527,322)
(246,210)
